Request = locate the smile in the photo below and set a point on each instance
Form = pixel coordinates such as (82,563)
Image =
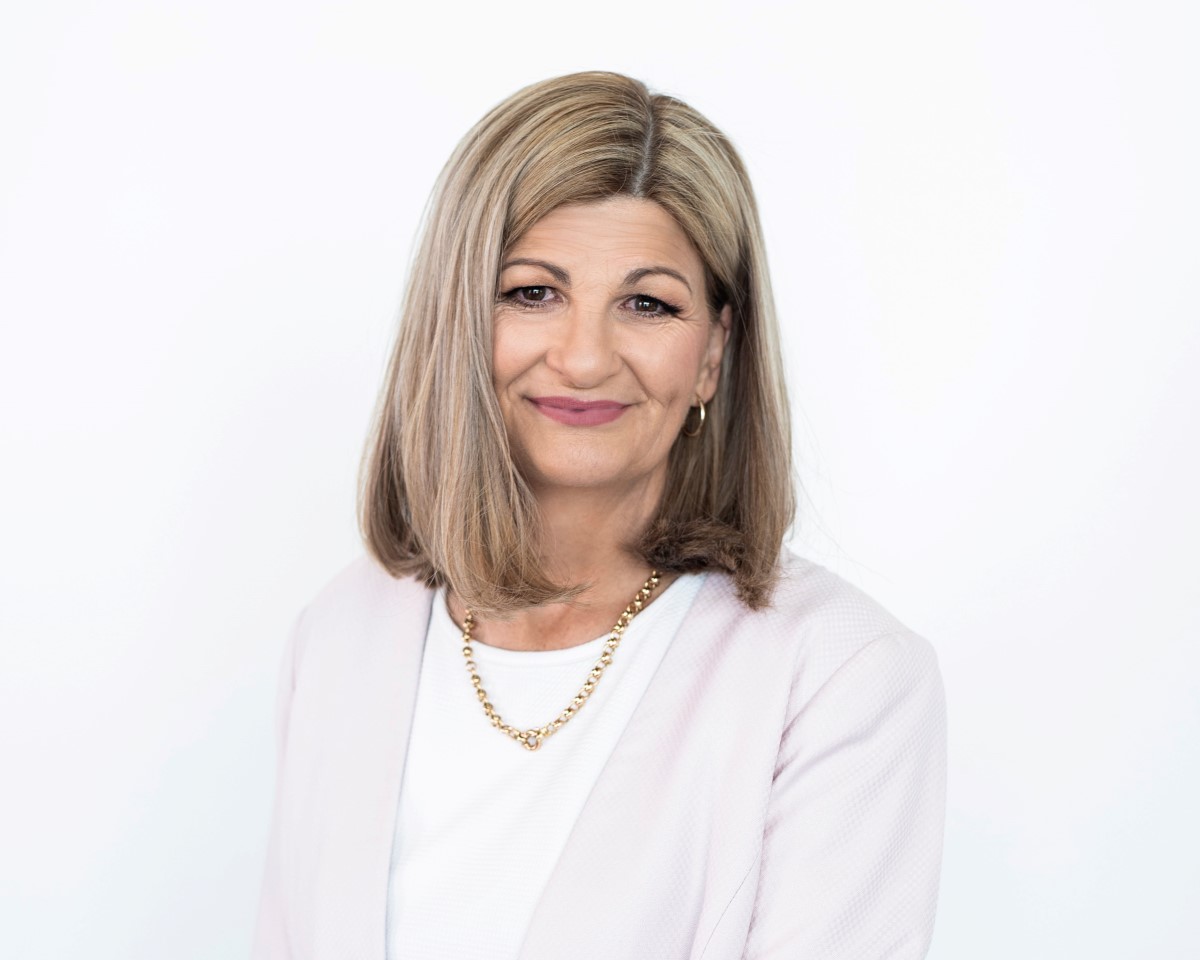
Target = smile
(579,413)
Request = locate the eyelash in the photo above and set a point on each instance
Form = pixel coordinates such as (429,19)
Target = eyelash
(510,296)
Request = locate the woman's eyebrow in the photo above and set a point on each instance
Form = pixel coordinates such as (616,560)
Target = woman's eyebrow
(561,275)
(633,276)
(558,273)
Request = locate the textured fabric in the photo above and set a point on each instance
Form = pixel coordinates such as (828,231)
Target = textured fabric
(777,793)
(476,805)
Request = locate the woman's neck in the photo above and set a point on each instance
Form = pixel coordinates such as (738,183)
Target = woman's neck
(585,539)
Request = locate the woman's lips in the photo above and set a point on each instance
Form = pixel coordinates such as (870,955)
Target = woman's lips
(579,413)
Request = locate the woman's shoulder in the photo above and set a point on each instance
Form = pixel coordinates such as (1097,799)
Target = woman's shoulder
(817,595)
(364,587)
(361,604)
(820,622)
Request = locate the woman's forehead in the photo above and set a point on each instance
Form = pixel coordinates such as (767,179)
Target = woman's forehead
(616,231)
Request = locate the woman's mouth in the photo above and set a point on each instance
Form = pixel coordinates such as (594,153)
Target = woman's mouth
(579,413)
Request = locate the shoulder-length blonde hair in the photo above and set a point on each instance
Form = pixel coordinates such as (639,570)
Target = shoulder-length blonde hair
(440,495)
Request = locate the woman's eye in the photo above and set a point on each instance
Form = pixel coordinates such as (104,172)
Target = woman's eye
(652,306)
(528,296)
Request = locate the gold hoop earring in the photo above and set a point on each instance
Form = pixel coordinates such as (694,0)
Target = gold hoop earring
(699,426)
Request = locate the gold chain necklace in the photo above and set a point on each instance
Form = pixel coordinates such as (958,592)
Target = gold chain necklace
(532,739)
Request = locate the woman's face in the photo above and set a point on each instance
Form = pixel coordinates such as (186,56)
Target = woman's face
(602,341)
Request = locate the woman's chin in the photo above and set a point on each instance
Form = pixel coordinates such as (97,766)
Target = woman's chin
(548,479)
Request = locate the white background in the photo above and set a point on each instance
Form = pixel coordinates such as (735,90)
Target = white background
(982,222)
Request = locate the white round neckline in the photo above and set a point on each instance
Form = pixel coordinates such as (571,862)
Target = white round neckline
(589,650)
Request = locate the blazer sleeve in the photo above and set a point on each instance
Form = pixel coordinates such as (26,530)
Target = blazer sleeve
(270,936)
(852,843)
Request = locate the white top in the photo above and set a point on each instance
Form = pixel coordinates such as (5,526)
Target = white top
(482,821)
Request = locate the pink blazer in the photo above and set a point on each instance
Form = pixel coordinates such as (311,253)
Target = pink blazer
(778,792)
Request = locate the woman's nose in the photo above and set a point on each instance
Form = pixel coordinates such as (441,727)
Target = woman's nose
(584,353)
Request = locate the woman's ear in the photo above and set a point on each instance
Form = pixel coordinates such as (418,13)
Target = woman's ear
(718,338)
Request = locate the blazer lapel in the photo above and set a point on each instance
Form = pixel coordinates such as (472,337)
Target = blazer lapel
(363,762)
(608,895)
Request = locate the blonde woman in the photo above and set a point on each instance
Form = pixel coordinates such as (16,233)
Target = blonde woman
(579,701)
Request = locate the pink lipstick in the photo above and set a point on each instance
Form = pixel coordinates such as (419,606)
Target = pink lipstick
(579,413)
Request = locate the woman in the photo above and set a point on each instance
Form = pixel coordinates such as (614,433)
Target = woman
(579,701)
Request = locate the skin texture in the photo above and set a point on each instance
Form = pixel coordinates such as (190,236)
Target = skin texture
(570,322)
